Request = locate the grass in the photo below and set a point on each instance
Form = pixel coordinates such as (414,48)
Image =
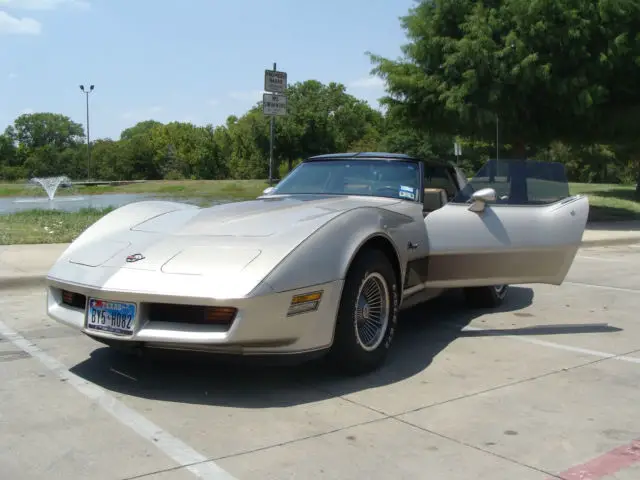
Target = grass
(608,203)
(46,226)
(205,189)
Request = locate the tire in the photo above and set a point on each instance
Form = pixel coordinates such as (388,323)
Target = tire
(486,297)
(355,350)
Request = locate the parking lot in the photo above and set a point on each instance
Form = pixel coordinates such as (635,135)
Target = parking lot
(546,387)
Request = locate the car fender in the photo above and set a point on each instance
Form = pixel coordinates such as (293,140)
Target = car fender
(327,254)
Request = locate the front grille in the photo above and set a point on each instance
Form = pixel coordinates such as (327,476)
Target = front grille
(191,314)
(75,300)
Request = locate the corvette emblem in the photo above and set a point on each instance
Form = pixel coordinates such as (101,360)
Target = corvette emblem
(134,258)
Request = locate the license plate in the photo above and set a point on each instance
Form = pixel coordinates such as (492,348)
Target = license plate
(112,317)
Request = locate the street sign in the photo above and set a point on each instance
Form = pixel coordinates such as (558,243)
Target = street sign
(274,105)
(275,82)
(457,149)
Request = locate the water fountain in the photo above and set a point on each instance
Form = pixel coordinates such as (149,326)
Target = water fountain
(51,184)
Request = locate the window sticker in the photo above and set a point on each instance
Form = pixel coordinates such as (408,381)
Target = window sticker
(407,192)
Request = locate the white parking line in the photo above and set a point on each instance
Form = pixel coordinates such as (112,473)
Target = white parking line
(171,446)
(559,346)
(604,287)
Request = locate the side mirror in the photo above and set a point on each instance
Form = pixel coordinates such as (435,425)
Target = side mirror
(480,198)
(268,190)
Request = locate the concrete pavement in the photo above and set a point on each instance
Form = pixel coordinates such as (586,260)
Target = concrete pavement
(544,387)
(24,265)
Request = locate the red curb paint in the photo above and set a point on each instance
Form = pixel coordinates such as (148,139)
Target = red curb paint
(607,464)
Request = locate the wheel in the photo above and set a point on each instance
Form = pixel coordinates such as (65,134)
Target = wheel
(367,315)
(486,297)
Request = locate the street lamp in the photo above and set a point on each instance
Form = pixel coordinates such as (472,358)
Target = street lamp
(86,93)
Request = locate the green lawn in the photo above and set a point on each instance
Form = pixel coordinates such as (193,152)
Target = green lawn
(608,203)
(206,189)
(46,226)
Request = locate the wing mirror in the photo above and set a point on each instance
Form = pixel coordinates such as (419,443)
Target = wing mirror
(480,198)
(268,190)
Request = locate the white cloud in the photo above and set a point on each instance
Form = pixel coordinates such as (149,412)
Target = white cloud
(18,26)
(42,4)
(12,75)
(367,82)
(213,102)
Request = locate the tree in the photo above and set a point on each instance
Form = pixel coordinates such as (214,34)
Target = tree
(36,130)
(548,69)
(324,119)
(140,128)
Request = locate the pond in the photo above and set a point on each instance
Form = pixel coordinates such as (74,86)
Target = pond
(73,203)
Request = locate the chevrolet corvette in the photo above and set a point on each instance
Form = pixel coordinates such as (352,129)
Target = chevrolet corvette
(321,263)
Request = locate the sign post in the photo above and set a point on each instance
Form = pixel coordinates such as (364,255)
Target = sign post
(274,103)
(457,151)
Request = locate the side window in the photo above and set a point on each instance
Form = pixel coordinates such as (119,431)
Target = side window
(438,176)
(519,182)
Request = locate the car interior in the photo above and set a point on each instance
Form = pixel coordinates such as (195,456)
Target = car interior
(439,187)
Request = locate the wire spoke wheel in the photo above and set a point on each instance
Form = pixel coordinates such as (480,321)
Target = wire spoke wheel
(500,289)
(372,311)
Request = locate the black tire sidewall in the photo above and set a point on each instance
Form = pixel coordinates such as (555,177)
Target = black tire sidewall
(346,349)
(485,297)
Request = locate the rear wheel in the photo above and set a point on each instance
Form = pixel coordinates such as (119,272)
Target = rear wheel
(367,316)
(486,297)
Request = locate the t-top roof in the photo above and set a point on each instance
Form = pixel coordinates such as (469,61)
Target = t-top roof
(371,156)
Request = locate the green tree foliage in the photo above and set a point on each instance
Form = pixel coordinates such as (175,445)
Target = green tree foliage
(322,118)
(551,70)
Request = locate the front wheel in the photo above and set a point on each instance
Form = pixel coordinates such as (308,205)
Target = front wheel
(367,316)
(486,297)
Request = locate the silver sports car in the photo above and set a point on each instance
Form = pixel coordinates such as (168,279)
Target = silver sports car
(322,262)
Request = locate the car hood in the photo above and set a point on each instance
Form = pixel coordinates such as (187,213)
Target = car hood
(223,251)
(265,217)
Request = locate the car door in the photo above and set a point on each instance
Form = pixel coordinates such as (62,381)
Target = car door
(528,232)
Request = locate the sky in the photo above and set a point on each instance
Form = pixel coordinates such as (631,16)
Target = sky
(199,61)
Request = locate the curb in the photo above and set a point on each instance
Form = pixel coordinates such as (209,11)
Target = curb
(610,242)
(35,280)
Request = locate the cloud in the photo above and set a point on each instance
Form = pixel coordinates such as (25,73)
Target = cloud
(12,75)
(18,26)
(367,82)
(43,4)
(213,102)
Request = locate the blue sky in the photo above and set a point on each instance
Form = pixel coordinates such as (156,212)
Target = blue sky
(197,61)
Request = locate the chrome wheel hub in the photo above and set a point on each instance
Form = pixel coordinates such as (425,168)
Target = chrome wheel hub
(372,311)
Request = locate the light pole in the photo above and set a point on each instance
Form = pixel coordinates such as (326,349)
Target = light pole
(86,93)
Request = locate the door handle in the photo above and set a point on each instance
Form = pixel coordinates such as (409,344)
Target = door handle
(412,246)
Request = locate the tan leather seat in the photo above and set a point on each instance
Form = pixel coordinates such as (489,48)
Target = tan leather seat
(434,198)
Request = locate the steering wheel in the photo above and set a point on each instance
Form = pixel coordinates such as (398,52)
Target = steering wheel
(387,187)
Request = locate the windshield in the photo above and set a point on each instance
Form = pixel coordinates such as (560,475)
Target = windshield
(380,178)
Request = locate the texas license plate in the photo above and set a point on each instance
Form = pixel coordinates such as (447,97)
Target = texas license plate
(112,317)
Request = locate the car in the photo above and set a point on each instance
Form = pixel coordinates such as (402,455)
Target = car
(320,264)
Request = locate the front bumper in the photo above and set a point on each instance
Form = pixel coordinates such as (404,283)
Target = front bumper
(261,325)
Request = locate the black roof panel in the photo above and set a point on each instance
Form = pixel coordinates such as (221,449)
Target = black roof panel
(371,155)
